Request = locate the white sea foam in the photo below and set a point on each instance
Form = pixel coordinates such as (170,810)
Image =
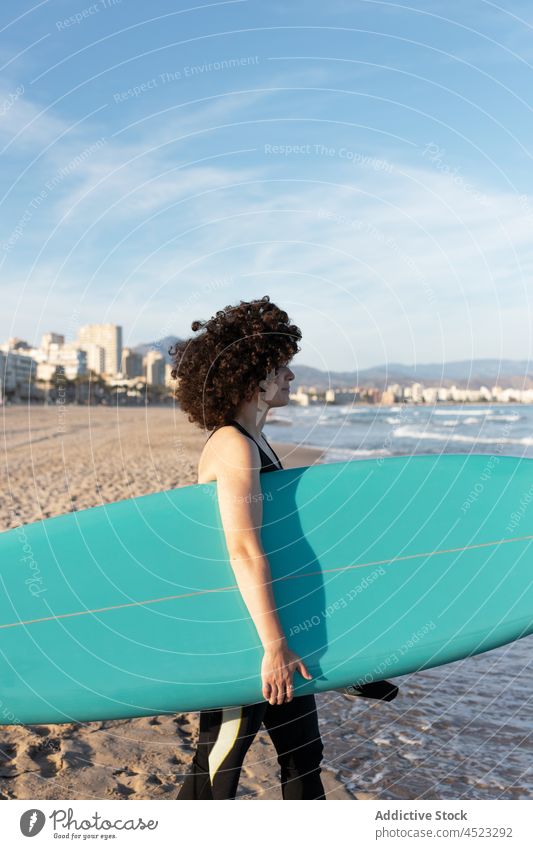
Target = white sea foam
(334,455)
(463,412)
(454,422)
(497,418)
(407,432)
(278,420)
(350,408)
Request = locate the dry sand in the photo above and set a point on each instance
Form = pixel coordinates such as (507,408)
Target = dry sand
(56,461)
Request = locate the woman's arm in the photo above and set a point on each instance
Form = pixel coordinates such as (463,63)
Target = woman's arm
(241,510)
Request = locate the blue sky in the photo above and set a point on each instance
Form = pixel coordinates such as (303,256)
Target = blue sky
(366,164)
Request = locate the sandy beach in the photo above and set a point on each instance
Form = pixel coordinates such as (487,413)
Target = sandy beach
(58,460)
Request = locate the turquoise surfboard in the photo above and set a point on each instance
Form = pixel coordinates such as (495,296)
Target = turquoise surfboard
(380,567)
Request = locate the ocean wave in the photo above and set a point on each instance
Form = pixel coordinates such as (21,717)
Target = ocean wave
(454,422)
(334,455)
(407,432)
(496,418)
(278,420)
(338,421)
(341,410)
(463,412)
(365,410)
(469,420)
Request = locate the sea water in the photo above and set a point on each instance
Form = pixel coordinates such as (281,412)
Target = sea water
(459,731)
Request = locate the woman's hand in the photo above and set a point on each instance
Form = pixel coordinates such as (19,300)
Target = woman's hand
(277,669)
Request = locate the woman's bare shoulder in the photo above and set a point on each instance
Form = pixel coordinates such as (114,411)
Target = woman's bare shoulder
(225,440)
(225,434)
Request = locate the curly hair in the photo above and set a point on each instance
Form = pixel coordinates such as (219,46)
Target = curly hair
(221,367)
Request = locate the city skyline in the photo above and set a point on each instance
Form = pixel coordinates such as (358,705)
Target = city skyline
(98,350)
(159,345)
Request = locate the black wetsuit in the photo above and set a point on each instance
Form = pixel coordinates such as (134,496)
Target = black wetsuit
(226,734)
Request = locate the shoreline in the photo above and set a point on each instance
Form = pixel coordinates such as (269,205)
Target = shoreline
(293,455)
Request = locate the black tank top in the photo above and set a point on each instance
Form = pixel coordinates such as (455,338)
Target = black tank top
(267,465)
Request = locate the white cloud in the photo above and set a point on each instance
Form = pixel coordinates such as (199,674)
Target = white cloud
(24,122)
(404,258)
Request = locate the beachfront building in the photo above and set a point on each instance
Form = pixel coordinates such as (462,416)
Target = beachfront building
(71,360)
(48,339)
(55,354)
(341,396)
(300,397)
(108,337)
(169,380)
(388,397)
(22,348)
(520,396)
(154,365)
(132,363)
(415,392)
(96,358)
(472,395)
(392,394)
(430,394)
(396,391)
(455,394)
(3,375)
(17,372)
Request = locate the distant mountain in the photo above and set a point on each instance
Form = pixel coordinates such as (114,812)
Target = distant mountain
(161,345)
(471,373)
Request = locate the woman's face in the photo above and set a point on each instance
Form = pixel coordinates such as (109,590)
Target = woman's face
(277,386)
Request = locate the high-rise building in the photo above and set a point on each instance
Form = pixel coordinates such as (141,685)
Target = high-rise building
(54,352)
(96,357)
(132,363)
(73,360)
(15,343)
(109,338)
(169,380)
(17,371)
(154,364)
(51,339)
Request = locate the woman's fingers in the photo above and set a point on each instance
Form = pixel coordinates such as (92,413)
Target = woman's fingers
(285,687)
(304,670)
(278,685)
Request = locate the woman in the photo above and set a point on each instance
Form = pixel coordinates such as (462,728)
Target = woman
(230,376)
